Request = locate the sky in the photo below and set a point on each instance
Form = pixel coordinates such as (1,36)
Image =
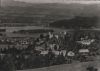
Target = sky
(61,1)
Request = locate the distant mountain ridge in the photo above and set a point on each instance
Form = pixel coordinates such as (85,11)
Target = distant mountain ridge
(53,8)
(76,23)
(25,4)
(48,12)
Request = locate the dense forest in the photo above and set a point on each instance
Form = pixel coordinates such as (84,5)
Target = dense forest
(76,23)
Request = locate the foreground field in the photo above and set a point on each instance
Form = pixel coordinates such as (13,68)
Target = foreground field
(75,66)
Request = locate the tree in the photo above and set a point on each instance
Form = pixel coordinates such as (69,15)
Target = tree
(7,64)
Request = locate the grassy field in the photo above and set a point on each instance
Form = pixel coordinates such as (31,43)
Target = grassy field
(75,66)
(12,29)
(9,31)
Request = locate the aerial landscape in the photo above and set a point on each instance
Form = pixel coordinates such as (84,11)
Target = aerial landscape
(47,35)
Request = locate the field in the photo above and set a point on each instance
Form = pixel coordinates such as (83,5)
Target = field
(75,66)
(9,30)
(12,29)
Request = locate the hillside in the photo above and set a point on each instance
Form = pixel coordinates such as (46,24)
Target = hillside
(76,23)
(46,13)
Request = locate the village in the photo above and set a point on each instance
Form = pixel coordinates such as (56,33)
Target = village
(49,35)
(50,48)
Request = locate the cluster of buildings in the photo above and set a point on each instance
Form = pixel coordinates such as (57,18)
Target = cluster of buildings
(51,40)
(51,48)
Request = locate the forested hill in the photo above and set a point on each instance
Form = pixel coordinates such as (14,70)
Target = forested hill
(76,23)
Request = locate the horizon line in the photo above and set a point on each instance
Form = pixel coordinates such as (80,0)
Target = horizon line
(64,2)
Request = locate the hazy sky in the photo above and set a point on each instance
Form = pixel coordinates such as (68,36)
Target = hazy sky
(61,1)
